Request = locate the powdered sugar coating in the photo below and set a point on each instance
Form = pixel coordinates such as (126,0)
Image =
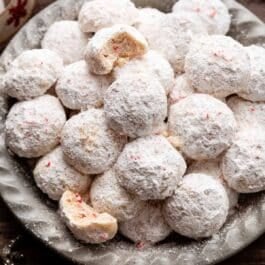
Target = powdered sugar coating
(33,128)
(108,196)
(154,64)
(32,74)
(198,208)
(255,90)
(204,126)
(88,144)
(243,163)
(96,15)
(148,227)
(78,89)
(54,176)
(135,105)
(172,36)
(181,89)
(66,39)
(150,168)
(217,65)
(213,168)
(113,46)
(146,19)
(214,14)
(248,114)
(84,222)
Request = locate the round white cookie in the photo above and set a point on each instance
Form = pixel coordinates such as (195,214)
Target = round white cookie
(96,15)
(88,144)
(108,196)
(84,222)
(135,105)
(198,208)
(243,163)
(203,125)
(172,36)
(150,168)
(154,64)
(255,90)
(217,65)
(148,226)
(114,46)
(214,14)
(213,168)
(78,89)
(67,40)
(33,128)
(32,74)
(54,176)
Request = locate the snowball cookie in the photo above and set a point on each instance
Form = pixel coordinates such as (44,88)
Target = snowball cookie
(248,114)
(150,167)
(32,74)
(198,208)
(172,36)
(214,14)
(154,64)
(213,168)
(243,163)
(148,226)
(78,89)
(84,222)
(135,105)
(255,90)
(33,128)
(217,65)
(66,39)
(54,176)
(204,126)
(108,196)
(114,46)
(88,144)
(96,15)
(181,89)
(147,16)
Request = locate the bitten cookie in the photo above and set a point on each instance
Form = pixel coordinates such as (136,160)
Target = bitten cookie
(114,46)
(84,222)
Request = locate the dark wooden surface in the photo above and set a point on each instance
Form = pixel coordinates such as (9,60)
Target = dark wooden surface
(17,247)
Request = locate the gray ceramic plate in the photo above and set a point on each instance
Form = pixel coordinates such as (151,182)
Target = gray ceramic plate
(39,215)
